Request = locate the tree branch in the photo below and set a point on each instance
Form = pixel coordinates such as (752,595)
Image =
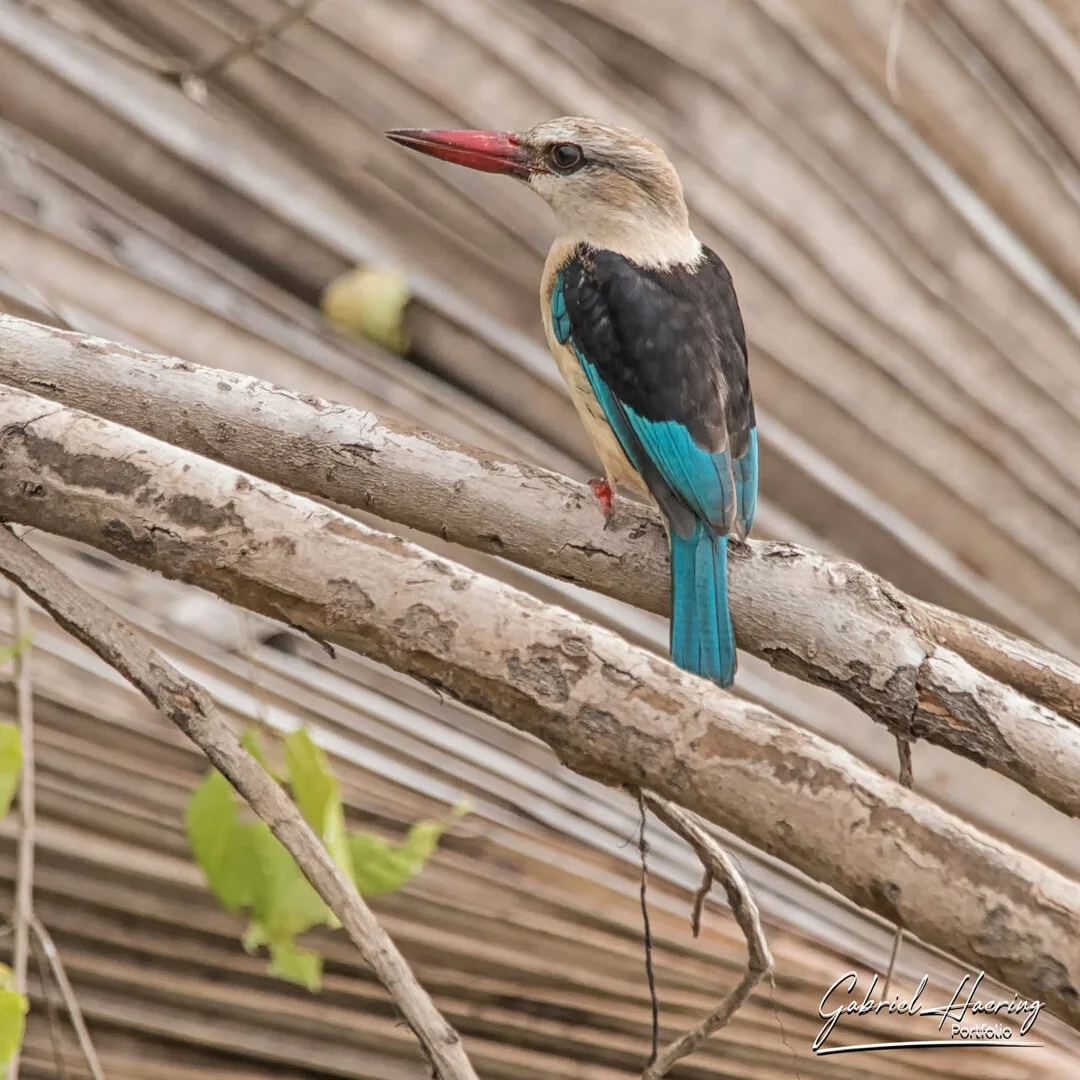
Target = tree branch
(189,707)
(759,961)
(922,672)
(609,710)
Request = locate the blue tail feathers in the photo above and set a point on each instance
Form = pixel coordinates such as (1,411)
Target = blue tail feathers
(702,640)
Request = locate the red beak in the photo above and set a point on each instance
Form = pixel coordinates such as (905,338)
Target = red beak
(488,151)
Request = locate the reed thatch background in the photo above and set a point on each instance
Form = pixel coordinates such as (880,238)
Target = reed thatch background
(903,224)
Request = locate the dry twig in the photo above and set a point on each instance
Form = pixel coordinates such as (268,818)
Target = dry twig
(56,1035)
(718,864)
(907,779)
(24,881)
(903,753)
(189,707)
(898,940)
(48,946)
(650,974)
(699,900)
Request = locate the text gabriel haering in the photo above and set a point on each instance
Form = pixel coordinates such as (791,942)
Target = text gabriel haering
(833,1007)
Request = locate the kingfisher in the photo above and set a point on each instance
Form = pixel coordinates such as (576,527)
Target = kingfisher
(644,325)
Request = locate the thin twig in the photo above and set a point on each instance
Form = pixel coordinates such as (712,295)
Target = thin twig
(759,959)
(699,900)
(24,881)
(190,708)
(48,947)
(898,940)
(907,771)
(650,974)
(56,1035)
(907,779)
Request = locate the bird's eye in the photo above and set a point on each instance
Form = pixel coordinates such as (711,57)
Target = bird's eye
(566,157)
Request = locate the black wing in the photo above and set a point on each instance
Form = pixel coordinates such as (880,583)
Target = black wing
(668,346)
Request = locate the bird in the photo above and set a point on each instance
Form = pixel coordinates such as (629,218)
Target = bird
(644,325)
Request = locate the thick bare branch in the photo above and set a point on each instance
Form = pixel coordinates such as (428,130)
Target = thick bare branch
(759,961)
(921,672)
(609,710)
(188,706)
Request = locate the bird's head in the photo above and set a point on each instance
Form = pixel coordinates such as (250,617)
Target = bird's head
(607,186)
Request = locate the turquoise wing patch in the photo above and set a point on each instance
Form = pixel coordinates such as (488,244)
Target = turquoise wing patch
(745,469)
(704,480)
(560,321)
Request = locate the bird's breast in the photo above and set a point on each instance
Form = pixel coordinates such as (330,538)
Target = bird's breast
(616,465)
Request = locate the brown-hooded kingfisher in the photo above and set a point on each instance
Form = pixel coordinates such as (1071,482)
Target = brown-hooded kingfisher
(644,325)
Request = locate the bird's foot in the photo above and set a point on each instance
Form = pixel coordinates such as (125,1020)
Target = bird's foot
(604,492)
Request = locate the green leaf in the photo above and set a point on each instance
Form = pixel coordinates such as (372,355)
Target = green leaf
(283,905)
(303,966)
(13,1009)
(215,835)
(15,648)
(246,866)
(370,302)
(318,794)
(10,765)
(283,900)
(380,867)
(254,937)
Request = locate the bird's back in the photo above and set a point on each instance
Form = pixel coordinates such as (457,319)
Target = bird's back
(668,344)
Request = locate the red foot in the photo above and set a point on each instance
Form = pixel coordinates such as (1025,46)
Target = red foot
(603,491)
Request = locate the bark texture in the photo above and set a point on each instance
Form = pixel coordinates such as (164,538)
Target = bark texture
(609,710)
(922,672)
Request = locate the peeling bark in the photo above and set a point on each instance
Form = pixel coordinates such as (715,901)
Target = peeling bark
(1038,674)
(609,710)
(822,619)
